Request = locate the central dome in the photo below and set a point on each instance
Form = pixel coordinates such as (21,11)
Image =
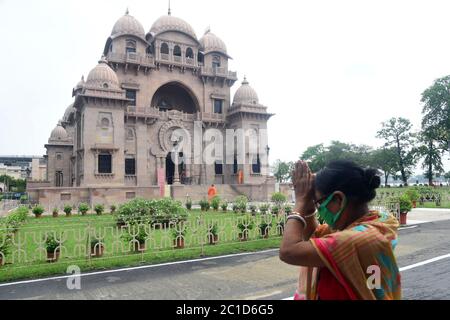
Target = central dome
(170,23)
(128,25)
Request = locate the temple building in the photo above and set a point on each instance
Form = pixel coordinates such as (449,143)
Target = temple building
(115,141)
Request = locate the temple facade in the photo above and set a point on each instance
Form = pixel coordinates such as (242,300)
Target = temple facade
(121,136)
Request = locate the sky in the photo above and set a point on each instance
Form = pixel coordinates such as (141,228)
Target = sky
(329,70)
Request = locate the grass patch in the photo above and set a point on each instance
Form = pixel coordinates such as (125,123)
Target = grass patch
(28,257)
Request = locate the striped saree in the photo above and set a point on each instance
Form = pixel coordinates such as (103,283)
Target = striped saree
(353,256)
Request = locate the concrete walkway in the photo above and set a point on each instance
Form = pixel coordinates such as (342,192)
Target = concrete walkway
(424,215)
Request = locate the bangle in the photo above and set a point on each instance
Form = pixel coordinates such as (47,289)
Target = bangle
(298,218)
(306,217)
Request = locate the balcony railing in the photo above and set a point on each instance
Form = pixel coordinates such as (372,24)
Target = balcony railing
(218,72)
(131,57)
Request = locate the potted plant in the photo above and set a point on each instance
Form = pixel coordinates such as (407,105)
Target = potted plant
(253,208)
(224,206)
(241,203)
(83,208)
(264,208)
(52,246)
(179,235)
(68,210)
(112,209)
(245,226)
(97,247)
(138,238)
(413,195)
(264,228)
(55,212)
(99,209)
(405,207)
(275,210)
(189,204)
(213,234)
(204,205)
(288,209)
(215,203)
(38,211)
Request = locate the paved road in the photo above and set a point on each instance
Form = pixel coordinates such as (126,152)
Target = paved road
(255,276)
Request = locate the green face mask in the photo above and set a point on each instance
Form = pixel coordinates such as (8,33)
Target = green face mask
(329,217)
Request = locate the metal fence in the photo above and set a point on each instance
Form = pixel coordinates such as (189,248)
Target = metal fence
(61,243)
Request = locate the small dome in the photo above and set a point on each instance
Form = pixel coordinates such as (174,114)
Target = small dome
(170,23)
(102,77)
(70,109)
(128,25)
(245,94)
(212,43)
(59,133)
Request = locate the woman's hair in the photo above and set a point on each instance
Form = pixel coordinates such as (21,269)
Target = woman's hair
(357,183)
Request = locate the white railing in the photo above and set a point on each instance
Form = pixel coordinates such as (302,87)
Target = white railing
(102,237)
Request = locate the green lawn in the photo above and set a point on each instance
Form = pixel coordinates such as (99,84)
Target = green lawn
(28,255)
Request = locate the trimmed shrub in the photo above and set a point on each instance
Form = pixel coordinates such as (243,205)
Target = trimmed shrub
(204,205)
(67,209)
(189,204)
(241,203)
(152,212)
(264,208)
(253,208)
(215,203)
(99,209)
(279,198)
(224,206)
(38,210)
(275,210)
(288,209)
(113,209)
(83,208)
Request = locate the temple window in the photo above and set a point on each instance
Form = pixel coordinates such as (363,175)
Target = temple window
(131,94)
(104,163)
(165,48)
(218,167)
(130,46)
(189,53)
(130,167)
(177,51)
(218,106)
(216,62)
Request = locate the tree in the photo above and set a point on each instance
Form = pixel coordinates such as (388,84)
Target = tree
(315,156)
(436,112)
(18,185)
(385,159)
(282,171)
(397,134)
(432,154)
(319,156)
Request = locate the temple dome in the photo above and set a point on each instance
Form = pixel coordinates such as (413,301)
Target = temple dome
(70,109)
(170,23)
(212,43)
(245,94)
(102,77)
(59,133)
(128,25)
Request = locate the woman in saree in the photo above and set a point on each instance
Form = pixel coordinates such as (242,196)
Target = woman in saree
(350,256)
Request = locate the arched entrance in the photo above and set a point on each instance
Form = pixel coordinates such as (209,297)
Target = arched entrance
(170,168)
(175,96)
